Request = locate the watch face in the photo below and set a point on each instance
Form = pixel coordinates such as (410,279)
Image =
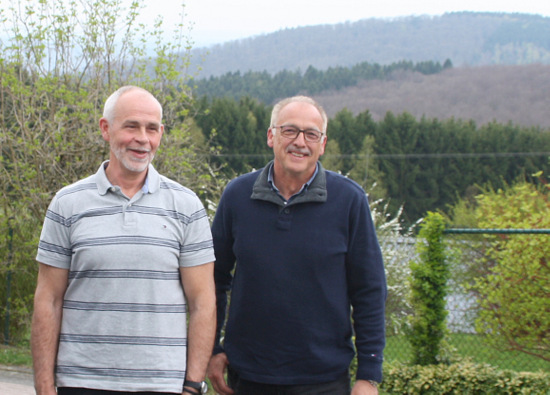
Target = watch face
(204,387)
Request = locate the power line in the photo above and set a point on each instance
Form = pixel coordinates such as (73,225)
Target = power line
(409,155)
(464,155)
(497,231)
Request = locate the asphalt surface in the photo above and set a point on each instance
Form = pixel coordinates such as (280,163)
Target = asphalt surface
(16,380)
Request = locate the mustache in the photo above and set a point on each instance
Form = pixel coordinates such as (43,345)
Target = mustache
(302,151)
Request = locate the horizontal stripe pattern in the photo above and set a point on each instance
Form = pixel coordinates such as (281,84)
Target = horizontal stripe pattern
(124,313)
(197,246)
(129,274)
(120,340)
(185,219)
(54,248)
(114,372)
(127,240)
(126,307)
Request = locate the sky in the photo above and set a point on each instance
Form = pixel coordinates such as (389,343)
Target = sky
(218,21)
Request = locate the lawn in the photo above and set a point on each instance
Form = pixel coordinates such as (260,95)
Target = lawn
(397,350)
(15,355)
(472,346)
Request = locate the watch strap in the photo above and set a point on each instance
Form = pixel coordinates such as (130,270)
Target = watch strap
(196,385)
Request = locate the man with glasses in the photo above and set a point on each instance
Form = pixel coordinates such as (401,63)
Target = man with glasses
(296,247)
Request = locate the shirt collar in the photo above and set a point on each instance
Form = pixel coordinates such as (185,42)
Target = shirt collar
(305,186)
(151,185)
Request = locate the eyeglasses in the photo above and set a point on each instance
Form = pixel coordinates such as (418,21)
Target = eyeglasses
(292,132)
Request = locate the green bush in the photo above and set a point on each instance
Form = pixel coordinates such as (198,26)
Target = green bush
(461,378)
(514,294)
(428,291)
(507,271)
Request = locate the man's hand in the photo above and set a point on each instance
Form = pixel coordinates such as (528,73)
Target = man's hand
(216,370)
(363,387)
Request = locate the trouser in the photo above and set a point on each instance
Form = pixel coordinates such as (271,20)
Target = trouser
(89,391)
(245,387)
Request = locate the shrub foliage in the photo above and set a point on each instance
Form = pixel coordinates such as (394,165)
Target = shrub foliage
(428,291)
(464,378)
(514,294)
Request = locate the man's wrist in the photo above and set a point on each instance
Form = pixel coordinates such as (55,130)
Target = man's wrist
(195,387)
(373,383)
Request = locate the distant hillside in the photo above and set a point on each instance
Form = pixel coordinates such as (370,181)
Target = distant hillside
(268,88)
(467,38)
(517,94)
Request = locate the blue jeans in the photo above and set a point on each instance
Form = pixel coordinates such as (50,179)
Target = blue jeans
(245,387)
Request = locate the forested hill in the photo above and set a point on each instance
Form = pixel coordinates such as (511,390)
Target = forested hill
(501,93)
(516,94)
(467,38)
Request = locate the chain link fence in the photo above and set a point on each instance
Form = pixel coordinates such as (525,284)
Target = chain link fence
(465,256)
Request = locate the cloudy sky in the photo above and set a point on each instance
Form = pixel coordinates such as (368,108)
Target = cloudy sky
(217,21)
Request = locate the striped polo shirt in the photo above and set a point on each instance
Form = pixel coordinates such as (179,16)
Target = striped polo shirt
(124,312)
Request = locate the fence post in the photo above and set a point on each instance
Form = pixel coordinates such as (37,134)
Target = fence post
(8,279)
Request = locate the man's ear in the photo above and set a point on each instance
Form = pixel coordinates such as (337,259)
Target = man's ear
(323,146)
(270,138)
(104,127)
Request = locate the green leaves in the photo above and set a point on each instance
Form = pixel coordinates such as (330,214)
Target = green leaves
(461,378)
(515,295)
(429,275)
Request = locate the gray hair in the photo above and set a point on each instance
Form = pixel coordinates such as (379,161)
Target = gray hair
(302,99)
(110,103)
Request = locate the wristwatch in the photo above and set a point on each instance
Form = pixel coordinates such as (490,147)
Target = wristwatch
(201,387)
(373,383)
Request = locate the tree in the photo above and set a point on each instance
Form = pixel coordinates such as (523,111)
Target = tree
(350,133)
(239,129)
(350,150)
(332,158)
(365,170)
(398,137)
(428,291)
(514,294)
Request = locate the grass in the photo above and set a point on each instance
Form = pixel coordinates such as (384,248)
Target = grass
(15,356)
(472,346)
(397,350)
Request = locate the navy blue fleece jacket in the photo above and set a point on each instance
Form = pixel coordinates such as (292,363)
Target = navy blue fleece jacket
(301,269)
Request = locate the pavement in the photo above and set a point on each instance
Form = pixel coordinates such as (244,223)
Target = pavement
(16,380)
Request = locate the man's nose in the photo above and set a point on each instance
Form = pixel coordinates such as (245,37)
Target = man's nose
(141,136)
(300,139)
